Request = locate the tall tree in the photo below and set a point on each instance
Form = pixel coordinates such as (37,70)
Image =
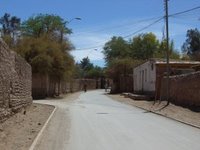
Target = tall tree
(144,46)
(42,47)
(85,64)
(51,25)
(191,46)
(118,67)
(10,28)
(116,48)
(161,51)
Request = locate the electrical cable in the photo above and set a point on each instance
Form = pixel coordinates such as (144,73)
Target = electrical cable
(127,35)
(185,11)
(158,20)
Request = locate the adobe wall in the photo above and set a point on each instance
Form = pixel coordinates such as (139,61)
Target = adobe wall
(184,89)
(15,82)
(43,86)
(77,85)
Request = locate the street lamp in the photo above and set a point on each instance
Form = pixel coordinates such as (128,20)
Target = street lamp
(67,22)
(76,18)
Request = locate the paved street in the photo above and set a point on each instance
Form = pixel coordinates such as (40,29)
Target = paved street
(95,122)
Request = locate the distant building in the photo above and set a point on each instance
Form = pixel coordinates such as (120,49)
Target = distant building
(148,76)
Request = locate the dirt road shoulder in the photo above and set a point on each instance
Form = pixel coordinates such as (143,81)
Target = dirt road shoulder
(172,111)
(19,131)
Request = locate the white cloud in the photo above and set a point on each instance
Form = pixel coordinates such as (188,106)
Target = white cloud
(86,46)
(93,55)
(88,39)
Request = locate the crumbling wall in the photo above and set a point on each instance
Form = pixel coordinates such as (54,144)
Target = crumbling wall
(15,82)
(184,89)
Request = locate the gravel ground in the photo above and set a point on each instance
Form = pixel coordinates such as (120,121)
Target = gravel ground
(19,131)
(172,111)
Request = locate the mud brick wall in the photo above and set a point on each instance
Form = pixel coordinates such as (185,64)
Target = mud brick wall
(43,86)
(184,89)
(15,82)
(77,84)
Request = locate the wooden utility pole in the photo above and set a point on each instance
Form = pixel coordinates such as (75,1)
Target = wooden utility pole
(167,47)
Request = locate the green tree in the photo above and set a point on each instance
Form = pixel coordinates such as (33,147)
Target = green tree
(95,72)
(116,48)
(51,25)
(87,70)
(161,52)
(43,46)
(144,46)
(85,64)
(10,26)
(118,67)
(191,46)
(45,56)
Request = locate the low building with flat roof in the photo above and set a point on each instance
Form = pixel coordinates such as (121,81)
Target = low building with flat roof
(148,76)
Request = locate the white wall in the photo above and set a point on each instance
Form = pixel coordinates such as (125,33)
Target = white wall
(145,77)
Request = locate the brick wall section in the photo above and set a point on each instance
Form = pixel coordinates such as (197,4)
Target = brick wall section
(184,89)
(43,86)
(15,82)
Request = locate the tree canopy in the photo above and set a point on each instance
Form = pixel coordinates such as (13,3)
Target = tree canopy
(51,25)
(144,46)
(117,47)
(191,46)
(43,43)
(10,28)
(140,47)
(87,70)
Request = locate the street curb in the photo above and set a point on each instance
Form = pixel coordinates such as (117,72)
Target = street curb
(168,117)
(42,130)
(186,123)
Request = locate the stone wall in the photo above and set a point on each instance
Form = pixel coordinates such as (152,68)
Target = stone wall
(15,82)
(184,89)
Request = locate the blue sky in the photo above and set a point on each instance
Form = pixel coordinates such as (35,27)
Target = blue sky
(106,18)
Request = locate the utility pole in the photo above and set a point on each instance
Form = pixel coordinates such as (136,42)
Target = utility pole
(167,47)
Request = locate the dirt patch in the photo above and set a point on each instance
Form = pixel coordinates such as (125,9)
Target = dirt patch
(19,131)
(172,111)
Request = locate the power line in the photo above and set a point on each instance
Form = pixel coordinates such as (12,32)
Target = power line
(143,28)
(185,11)
(127,35)
(87,48)
(139,21)
(117,26)
(158,20)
